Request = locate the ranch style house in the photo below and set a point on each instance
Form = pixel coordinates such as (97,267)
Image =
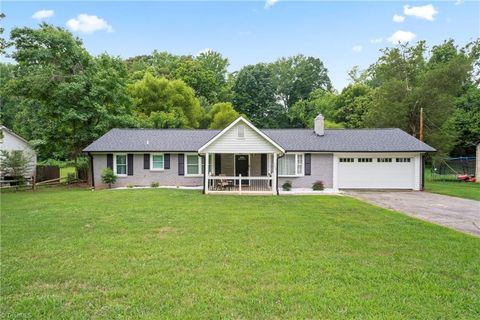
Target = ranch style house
(245,159)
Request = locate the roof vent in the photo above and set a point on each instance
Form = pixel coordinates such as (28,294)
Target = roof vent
(319,125)
(147,142)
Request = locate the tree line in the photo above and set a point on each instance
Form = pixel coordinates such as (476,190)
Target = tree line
(61,98)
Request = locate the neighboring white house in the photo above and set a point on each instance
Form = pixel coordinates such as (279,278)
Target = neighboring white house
(10,141)
(243,158)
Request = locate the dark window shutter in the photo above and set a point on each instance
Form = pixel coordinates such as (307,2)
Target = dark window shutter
(308,164)
(130,164)
(146,161)
(110,161)
(263,164)
(166,161)
(218,164)
(181,163)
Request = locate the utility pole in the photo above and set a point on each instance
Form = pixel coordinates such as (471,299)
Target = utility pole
(421,124)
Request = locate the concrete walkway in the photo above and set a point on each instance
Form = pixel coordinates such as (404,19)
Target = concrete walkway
(456,213)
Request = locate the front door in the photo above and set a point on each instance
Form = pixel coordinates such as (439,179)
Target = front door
(241,166)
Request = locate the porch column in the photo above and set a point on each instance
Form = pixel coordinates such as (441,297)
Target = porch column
(206,173)
(274,174)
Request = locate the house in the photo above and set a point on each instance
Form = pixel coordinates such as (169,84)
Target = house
(10,141)
(243,158)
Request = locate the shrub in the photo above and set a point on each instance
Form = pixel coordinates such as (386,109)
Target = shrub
(108,177)
(71,178)
(318,186)
(287,186)
(129,186)
(154,184)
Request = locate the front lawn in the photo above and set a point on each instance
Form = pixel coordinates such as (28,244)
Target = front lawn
(467,190)
(179,254)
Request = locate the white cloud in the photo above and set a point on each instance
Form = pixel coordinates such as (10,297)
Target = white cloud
(43,14)
(88,24)
(206,50)
(402,36)
(459,2)
(357,48)
(376,40)
(426,12)
(270,3)
(398,18)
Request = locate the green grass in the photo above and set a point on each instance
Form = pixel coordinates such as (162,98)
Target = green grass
(467,190)
(178,254)
(66,170)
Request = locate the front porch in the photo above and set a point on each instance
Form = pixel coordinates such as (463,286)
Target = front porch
(241,159)
(245,173)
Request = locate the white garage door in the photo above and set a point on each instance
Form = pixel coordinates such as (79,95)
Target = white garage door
(376,172)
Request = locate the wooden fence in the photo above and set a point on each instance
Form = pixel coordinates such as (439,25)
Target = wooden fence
(45,173)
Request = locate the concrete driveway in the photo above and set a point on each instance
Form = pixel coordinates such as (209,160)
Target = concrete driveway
(456,213)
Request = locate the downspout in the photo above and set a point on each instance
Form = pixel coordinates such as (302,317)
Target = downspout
(91,169)
(276,173)
(422,186)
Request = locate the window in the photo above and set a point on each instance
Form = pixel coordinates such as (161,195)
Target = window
(403,159)
(156,162)
(299,164)
(365,159)
(194,165)
(346,159)
(241,132)
(120,164)
(291,165)
(384,159)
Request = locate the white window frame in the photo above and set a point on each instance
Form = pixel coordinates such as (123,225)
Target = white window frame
(151,162)
(297,174)
(199,159)
(115,164)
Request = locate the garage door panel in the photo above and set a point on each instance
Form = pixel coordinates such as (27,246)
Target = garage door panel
(376,175)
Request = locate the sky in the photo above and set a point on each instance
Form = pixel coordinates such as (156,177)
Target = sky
(342,34)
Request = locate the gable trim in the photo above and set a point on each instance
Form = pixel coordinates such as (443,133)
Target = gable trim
(242,119)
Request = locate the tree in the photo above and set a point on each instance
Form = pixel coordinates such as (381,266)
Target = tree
(66,98)
(9,103)
(15,164)
(221,115)
(113,104)
(297,76)
(254,96)
(303,112)
(162,103)
(3,42)
(53,79)
(108,177)
(353,104)
(408,79)
(466,121)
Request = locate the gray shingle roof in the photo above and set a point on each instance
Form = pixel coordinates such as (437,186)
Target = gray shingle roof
(189,140)
(355,140)
(152,140)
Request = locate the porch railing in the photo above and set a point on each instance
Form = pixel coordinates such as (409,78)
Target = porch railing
(239,184)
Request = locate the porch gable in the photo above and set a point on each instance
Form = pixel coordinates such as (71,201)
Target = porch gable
(241,137)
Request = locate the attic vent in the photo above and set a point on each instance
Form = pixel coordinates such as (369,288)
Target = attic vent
(241,132)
